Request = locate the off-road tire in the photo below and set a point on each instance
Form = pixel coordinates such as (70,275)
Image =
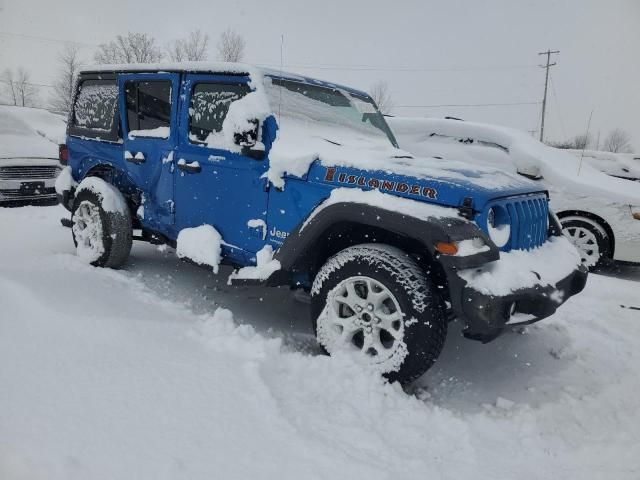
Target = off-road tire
(117,231)
(425,325)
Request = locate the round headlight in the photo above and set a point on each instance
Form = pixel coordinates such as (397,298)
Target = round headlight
(499,226)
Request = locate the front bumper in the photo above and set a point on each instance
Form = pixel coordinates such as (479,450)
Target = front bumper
(522,287)
(487,315)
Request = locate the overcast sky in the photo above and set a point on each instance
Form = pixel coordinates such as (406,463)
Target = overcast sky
(429,52)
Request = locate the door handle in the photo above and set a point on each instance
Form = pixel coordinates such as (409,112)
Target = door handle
(192,167)
(138,158)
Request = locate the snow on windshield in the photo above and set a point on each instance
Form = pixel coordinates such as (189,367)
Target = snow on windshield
(312,105)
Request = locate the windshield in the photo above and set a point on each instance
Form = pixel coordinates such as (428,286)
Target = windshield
(323,106)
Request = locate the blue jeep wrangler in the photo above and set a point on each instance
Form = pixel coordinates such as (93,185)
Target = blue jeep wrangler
(299,182)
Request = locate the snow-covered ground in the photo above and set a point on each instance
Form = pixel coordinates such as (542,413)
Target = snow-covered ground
(143,373)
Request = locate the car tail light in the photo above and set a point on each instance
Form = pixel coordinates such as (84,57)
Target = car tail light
(63,154)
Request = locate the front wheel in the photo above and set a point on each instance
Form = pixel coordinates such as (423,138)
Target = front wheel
(589,238)
(374,301)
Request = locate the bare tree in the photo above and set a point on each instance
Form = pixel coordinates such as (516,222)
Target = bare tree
(192,48)
(20,90)
(10,86)
(63,86)
(618,141)
(27,91)
(230,46)
(379,91)
(579,142)
(129,48)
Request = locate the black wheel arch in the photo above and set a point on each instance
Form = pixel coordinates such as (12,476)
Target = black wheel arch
(116,177)
(341,225)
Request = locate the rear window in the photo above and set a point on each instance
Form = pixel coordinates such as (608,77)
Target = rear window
(95,105)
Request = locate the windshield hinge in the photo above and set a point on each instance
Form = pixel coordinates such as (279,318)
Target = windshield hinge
(466,210)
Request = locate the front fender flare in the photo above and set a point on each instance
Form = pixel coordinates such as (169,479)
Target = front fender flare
(298,251)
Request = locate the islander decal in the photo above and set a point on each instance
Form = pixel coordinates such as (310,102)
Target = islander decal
(384,185)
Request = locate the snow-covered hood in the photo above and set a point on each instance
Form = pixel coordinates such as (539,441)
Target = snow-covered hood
(29,133)
(559,168)
(623,165)
(344,158)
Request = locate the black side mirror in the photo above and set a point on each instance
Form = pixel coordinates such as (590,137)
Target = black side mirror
(251,152)
(249,137)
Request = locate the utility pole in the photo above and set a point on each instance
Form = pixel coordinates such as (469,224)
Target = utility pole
(548,53)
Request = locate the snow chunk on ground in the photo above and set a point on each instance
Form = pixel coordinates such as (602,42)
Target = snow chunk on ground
(64,181)
(517,269)
(375,198)
(111,199)
(265,266)
(201,245)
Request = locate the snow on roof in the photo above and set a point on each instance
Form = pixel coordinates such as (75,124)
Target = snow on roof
(234,68)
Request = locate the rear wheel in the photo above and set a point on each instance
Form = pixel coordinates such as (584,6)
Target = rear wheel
(103,236)
(590,239)
(375,302)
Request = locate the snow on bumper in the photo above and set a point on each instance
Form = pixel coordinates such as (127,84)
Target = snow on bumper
(533,283)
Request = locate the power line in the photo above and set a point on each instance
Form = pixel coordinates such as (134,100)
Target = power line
(45,39)
(31,83)
(546,83)
(506,104)
(399,68)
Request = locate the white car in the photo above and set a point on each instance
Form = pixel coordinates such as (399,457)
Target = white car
(598,212)
(29,139)
(621,165)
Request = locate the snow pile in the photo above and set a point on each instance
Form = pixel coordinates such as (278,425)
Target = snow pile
(241,119)
(375,198)
(111,200)
(471,246)
(158,132)
(561,169)
(201,245)
(64,181)
(138,370)
(545,265)
(265,266)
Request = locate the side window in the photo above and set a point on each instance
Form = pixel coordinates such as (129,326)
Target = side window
(148,108)
(209,106)
(95,105)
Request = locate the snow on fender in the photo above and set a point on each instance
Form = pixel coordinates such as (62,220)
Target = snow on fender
(111,198)
(201,245)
